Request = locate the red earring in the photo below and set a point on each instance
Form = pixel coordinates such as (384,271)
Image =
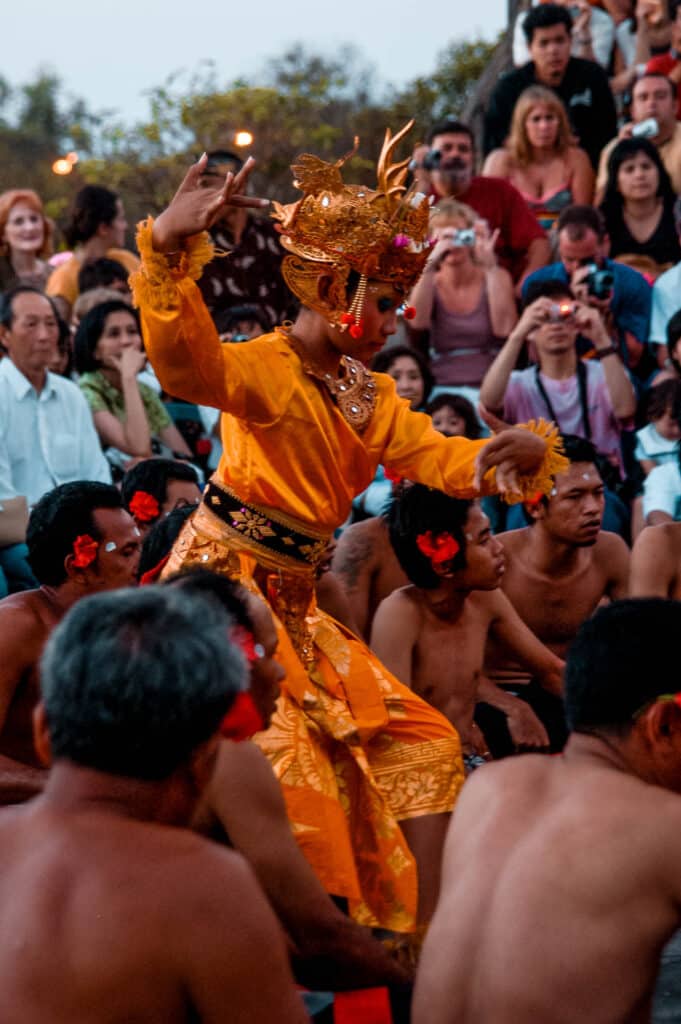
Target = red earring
(408,312)
(357,330)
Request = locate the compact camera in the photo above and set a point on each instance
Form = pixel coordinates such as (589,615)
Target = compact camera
(647,129)
(463,238)
(431,160)
(561,311)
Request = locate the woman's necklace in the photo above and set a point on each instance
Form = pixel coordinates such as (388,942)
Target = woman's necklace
(353,389)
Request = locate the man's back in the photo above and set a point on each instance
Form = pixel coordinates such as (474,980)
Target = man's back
(559,891)
(90,933)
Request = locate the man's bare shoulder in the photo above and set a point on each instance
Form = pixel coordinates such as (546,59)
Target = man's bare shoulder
(514,540)
(24,620)
(359,547)
(611,544)
(656,539)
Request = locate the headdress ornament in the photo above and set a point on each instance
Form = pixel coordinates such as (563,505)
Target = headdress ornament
(380,233)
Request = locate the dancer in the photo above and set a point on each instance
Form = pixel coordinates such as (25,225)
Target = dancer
(304,427)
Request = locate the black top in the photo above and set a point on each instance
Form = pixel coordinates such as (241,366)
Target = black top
(584,91)
(662,246)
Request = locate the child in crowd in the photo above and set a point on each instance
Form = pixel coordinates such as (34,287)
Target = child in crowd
(454,416)
(657,442)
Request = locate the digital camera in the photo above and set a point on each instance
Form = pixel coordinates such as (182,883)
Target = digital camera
(561,311)
(647,129)
(599,283)
(463,238)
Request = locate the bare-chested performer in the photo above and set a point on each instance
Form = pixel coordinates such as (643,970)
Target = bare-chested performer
(81,541)
(111,912)
(244,806)
(432,633)
(558,571)
(561,878)
(656,562)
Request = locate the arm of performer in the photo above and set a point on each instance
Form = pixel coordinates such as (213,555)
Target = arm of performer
(180,337)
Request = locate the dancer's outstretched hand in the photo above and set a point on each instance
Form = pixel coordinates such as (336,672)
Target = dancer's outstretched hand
(195,208)
(515,453)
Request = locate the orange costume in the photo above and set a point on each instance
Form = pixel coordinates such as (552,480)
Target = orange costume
(354,750)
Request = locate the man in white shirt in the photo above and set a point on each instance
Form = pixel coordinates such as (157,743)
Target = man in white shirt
(47,436)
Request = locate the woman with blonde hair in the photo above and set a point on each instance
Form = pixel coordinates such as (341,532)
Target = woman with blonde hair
(463,302)
(541,159)
(25,239)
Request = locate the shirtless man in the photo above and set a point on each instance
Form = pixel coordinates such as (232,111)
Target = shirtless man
(656,562)
(558,571)
(111,912)
(431,634)
(243,806)
(561,879)
(81,509)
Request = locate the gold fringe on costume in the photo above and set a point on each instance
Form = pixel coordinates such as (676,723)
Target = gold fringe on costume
(554,462)
(154,283)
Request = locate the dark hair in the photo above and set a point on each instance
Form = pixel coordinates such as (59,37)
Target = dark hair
(58,518)
(94,205)
(159,539)
(90,330)
(656,74)
(101,273)
(612,670)
(673,335)
(8,297)
(229,318)
(550,288)
(153,476)
(419,509)
(662,398)
(546,16)
(580,218)
(382,362)
(133,681)
(461,407)
(578,449)
(450,126)
(227,591)
(65,346)
(612,204)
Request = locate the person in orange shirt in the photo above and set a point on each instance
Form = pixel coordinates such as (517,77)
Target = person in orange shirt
(97,228)
(369,772)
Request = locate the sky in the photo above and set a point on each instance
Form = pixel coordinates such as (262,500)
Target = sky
(109,54)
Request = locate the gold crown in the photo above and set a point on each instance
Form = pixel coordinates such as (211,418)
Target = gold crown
(335,228)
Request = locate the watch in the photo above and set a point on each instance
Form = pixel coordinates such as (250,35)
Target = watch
(611,350)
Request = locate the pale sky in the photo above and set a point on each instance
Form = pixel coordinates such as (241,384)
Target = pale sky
(109,53)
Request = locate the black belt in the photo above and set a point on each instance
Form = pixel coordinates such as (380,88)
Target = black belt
(257,526)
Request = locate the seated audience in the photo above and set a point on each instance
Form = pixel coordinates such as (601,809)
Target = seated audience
(454,565)
(80,541)
(154,487)
(656,562)
(581,84)
(662,492)
(46,432)
(653,99)
(96,228)
(669,62)
(517,849)
(103,273)
(559,569)
(100,874)
(25,240)
(657,442)
(454,416)
(464,303)
(591,398)
(539,158)
(593,33)
(621,294)
(409,370)
(638,205)
(129,417)
(252,272)
(666,302)
(521,245)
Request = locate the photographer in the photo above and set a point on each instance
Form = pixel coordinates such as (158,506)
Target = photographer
(620,294)
(590,398)
(463,300)
(521,246)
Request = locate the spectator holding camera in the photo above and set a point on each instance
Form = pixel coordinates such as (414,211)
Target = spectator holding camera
(619,293)
(590,398)
(539,159)
(581,84)
(638,205)
(653,117)
(521,246)
(463,300)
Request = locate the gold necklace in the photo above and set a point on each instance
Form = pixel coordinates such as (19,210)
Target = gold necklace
(353,389)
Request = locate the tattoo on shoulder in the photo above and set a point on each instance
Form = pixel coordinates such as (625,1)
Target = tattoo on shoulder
(352,558)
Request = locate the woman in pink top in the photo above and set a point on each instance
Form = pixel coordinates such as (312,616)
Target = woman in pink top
(463,301)
(539,157)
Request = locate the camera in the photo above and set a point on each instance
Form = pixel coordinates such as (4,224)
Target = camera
(647,129)
(599,283)
(561,311)
(463,238)
(431,160)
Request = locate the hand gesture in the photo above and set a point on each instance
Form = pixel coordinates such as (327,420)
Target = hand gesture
(515,453)
(442,246)
(485,243)
(589,322)
(534,315)
(129,362)
(526,730)
(582,22)
(195,208)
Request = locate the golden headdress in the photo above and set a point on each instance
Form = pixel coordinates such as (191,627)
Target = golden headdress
(335,228)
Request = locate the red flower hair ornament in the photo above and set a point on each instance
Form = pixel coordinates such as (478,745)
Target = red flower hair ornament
(85,550)
(144,507)
(243,719)
(439,549)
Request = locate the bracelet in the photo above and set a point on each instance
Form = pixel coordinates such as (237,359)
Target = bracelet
(173,258)
(602,353)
